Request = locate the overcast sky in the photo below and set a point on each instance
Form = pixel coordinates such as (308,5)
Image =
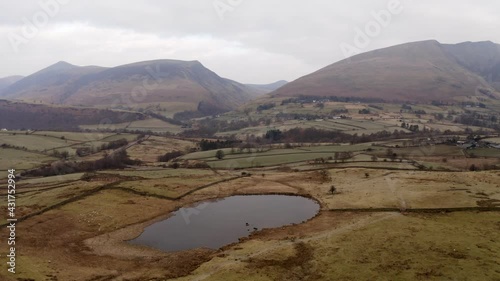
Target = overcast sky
(250,41)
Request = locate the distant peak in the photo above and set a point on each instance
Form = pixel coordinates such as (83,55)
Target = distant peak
(61,65)
(170,62)
(424,42)
(489,43)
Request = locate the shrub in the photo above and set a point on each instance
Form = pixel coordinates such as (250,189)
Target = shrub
(324,176)
(332,189)
(220,154)
(169,156)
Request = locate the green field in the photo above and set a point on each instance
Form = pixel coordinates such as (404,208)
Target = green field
(160,173)
(22,160)
(74,136)
(347,126)
(430,150)
(34,142)
(495,140)
(210,155)
(266,160)
(53,179)
(154,125)
(484,152)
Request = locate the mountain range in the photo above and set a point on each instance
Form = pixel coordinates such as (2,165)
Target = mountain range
(420,72)
(187,84)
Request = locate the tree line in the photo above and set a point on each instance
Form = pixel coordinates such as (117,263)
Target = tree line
(117,160)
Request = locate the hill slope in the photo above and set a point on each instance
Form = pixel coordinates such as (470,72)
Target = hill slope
(420,71)
(482,58)
(7,81)
(50,85)
(130,85)
(20,115)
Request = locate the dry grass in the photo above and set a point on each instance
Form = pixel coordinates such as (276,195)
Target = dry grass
(83,240)
(22,160)
(404,189)
(149,150)
(366,247)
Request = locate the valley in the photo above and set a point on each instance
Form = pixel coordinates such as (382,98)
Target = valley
(397,150)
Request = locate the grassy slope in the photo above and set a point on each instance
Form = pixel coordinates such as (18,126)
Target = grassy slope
(420,71)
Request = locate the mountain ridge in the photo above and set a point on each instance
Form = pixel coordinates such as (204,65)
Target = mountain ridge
(5,82)
(156,81)
(417,71)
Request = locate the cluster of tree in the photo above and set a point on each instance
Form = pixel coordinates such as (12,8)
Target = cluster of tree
(212,145)
(266,106)
(60,154)
(376,106)
(471,118)
(438,116)
(413,128)
(337,156)
(391,154)
(6,145)
(209,126)
(312,99)
(440,103)
(187,115)
(114,144)
(485,167)
(336,112)
(320,105)
(204,109)
(16,115)
(164,118)
(324,176)
(487,92)
(169,156)
(116,160)
(298,116)
(472,104)
(364,111)
(314,135)
(87,150)
(220,154)
(273,135)
(406,107)
(343,155)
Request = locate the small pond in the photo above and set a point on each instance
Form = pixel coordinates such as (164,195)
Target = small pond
(218,223)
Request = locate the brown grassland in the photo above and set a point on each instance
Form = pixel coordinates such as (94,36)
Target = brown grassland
(417,217)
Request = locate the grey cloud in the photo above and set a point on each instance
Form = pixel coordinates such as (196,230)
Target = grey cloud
(259,41)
